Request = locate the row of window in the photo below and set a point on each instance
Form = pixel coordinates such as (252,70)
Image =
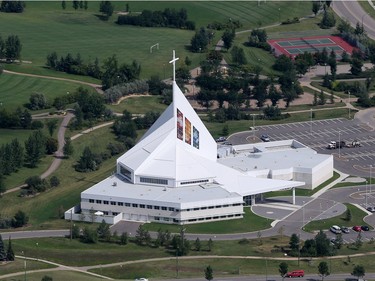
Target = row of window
(199,219)
(163,208)
(194,182)
(153,181)
(134,205)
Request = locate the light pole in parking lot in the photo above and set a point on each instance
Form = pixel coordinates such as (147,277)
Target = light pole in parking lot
(349,104)
(311,120)
(370,177)
(253,126)
(339,144)
(366,196)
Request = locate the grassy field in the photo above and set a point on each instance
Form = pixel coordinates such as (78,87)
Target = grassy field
(216,129)
(249,223)
(43,209)
(15,90)
(44,27)
(357,219)
(139,105)
(55,275)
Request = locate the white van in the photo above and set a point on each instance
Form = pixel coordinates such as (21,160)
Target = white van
(335,229)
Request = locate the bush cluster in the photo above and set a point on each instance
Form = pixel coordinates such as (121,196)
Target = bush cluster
(167,18)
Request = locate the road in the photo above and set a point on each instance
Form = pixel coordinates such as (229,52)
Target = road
(353,13)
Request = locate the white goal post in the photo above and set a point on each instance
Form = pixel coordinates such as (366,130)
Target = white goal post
(156,45)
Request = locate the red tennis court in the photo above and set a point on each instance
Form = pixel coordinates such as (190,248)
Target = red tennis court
(295,46)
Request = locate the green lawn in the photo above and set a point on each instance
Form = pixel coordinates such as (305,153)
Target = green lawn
(357,219)
(44,27)
(243,125)
(194,268)
(15,90)
(43,209)
(139,105)
(249,223)
(55,275)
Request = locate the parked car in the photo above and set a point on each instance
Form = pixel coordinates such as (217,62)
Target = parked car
(365,228)
(371,209)
(357,228)
(141,279)
(265,138)
(295,273)
(221,139)
(335,229)
(345,229)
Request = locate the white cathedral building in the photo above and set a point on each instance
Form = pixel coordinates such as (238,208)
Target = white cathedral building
(176,174)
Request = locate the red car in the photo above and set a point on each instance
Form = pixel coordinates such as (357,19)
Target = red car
(357,228)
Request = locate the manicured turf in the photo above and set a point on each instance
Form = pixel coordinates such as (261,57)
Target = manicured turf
(44,27)
(357,219)
(139,105)
(15,90)
(249,223)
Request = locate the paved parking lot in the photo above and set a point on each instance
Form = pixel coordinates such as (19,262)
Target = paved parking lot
(317,134)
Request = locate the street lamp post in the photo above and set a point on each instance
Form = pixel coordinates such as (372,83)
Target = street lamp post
(279,16)
(303,214)
(339,144)
(253,126)
(370,177)
(24,257)
(366,196)
(37,244)
(349,104)
(311,114)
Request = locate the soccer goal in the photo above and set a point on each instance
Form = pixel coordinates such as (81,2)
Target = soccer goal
(153,46)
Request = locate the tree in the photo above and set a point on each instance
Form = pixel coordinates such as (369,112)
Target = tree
(52,125)
(228,37)
(10,252)
(332,64)
(283,269)
(54,181)
(87,161)
(198,244)
(208,273)
(3,255)
(294,243)
(106,8)
(356,66)
(322,98)
(103,231)
(75,4)
(13,48)
(323,269)
(328,20)
(348,215)
(238,55)
(323,247)
(47,278)
(200,40)
(68,147)
(51,145)
(89,236)
(2,186)
(20,219)
(315,7)
(35,147)
(358,241)
(358,271)
(124,238)
(63,4)
(210,244)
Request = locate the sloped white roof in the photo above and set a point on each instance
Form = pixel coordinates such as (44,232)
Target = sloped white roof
(174,146)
